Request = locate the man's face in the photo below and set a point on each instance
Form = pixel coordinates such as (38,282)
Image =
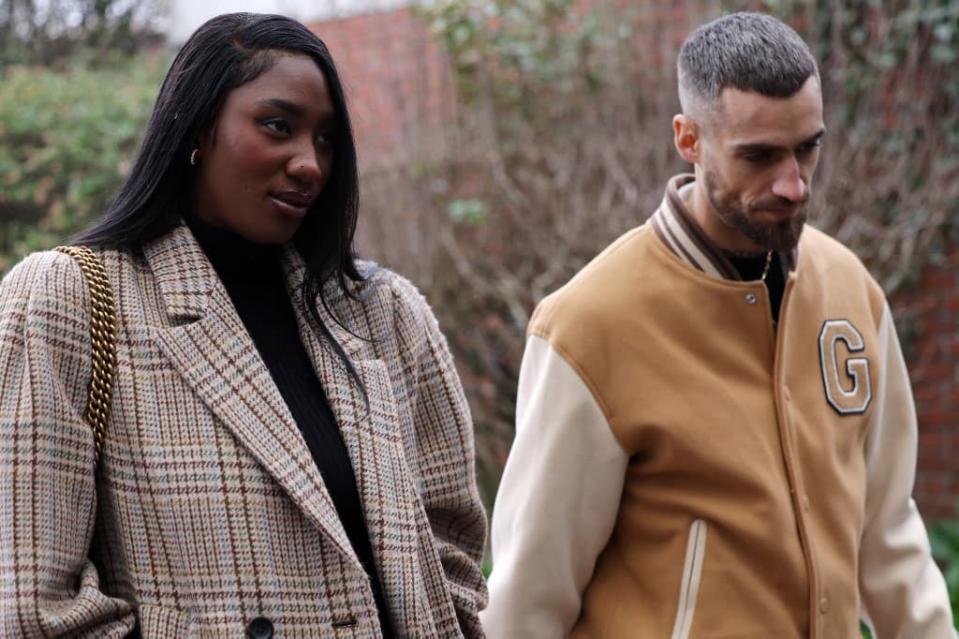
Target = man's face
(757,161)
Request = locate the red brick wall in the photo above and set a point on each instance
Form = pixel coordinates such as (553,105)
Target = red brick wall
(931,326)
(397,79)
(399,84)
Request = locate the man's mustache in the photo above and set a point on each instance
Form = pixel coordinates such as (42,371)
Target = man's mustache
(779,205)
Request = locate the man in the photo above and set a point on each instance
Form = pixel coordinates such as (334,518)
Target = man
(715,430)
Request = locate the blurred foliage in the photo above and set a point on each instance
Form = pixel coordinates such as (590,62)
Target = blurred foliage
(563,141)
(56,31)
(67,138)
(944,536)
(532,67)
(891,180)
(522,55)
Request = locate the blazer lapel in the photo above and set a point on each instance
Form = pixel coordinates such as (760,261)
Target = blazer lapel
(387,489)
(210,347)
(374,439)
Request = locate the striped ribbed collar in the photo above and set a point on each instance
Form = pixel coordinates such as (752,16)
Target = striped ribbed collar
(677,229)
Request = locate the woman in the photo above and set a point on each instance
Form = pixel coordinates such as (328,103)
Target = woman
(288,448)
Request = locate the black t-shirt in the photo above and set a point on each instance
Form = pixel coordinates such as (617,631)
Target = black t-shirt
(751,268)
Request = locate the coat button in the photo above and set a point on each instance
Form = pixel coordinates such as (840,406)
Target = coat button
(349,621)
(260,628)
(750,298)
(824,605)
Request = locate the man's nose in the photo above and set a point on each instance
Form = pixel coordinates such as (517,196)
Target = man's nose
(789,183)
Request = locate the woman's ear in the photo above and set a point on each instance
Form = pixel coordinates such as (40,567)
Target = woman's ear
(206,140)
(201,145)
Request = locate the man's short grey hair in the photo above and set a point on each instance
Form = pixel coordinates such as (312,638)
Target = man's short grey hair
(745,51)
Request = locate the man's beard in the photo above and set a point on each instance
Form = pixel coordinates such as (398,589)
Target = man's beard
(781,236)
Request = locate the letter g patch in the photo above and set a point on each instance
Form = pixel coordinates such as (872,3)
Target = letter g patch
(845,378)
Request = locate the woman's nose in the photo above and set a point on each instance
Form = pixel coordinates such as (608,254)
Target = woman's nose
(305,165)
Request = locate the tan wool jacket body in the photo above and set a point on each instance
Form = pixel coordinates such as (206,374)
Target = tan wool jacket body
(686,468)
(208,512)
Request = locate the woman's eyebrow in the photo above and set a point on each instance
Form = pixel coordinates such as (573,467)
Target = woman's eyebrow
(284,105)
(293,109)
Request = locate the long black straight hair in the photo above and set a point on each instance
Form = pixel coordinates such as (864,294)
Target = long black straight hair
(224,53)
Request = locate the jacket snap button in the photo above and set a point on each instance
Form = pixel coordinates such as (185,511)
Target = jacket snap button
(824,605)
(260,628)
(750,298)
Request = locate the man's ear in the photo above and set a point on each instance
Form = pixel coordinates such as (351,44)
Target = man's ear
(686,137)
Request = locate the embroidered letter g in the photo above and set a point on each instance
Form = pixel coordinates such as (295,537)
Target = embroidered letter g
(836,379)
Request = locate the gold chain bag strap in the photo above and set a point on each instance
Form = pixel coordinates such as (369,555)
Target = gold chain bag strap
(103,336)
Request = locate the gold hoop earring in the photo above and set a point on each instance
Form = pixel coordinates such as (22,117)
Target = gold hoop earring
(193,155)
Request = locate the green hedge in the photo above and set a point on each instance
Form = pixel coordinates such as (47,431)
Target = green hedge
(944,536)
(66,141)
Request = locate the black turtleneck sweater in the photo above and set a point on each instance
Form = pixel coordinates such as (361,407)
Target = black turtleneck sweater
(254,278)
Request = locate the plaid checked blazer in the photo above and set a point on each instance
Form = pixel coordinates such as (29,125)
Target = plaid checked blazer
(208,511)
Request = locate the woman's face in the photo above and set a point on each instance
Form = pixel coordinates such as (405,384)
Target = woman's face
(269,154)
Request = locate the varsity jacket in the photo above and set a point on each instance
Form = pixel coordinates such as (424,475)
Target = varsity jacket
(684,467)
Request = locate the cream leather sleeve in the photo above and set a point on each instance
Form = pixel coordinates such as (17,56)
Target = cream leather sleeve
(903,591)
(557,502)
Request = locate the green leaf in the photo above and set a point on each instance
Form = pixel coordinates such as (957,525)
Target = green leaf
(471,212)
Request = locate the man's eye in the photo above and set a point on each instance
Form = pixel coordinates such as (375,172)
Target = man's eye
(810,147)
(759,157)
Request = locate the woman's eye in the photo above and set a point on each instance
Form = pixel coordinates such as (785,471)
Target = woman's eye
(325,138)
(277,126)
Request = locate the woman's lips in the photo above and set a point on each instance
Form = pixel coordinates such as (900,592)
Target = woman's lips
(292,203)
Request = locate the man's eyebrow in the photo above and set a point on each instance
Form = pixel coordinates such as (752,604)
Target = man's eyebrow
(756,147)
(815,138)
(764,147)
